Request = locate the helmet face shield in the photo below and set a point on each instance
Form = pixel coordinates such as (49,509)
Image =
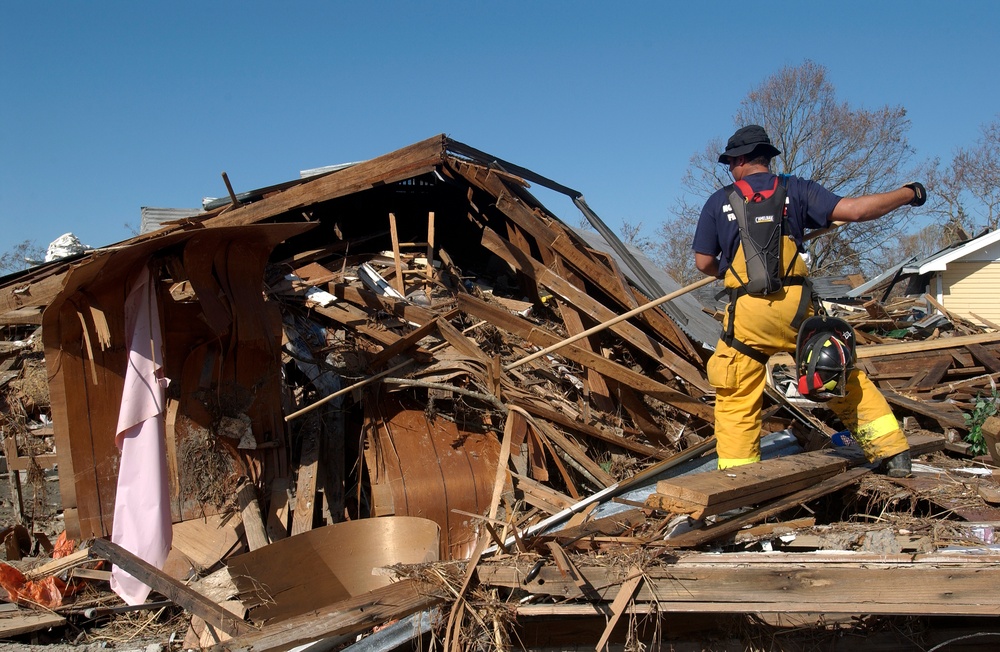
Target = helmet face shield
(824,356)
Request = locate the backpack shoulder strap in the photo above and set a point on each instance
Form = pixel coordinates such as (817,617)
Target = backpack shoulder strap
(751,195)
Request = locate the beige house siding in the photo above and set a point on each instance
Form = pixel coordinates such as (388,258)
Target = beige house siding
(971,287)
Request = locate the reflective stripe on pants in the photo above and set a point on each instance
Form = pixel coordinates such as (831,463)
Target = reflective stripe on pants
(739,384)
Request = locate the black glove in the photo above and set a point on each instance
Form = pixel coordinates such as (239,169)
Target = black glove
(919,193)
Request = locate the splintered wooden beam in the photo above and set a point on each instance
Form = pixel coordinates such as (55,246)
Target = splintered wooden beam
(599,312)
(592,431)
(170,588)
(522,328)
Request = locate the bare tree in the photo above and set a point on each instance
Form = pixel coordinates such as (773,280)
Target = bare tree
(672,248)
(21,256)
(925,241)
(632,235)
(851,151)
(975,175)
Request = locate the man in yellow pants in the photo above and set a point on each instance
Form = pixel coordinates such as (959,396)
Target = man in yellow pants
(770,295)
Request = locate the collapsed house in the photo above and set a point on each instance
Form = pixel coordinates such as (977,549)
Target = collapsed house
(410,360)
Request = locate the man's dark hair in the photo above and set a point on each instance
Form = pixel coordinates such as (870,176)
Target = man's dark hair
(759,159)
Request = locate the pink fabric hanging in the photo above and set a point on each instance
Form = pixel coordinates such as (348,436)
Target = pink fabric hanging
(142,503)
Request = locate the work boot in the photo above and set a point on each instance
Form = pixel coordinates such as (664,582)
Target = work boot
(898,466)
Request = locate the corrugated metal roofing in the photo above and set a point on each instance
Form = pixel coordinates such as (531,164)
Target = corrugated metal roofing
(153,219)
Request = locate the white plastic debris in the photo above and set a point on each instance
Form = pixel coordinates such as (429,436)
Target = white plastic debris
(374,282)
(65,245)
(314,295)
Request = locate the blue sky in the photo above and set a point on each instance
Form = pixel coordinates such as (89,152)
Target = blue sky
(109,106)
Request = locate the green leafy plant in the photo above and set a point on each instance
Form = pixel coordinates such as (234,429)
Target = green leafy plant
(983,410)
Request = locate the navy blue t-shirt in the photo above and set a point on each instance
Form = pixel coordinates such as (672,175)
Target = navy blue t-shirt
(809,207)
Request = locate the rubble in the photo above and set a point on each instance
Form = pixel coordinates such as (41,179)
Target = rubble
(405,400)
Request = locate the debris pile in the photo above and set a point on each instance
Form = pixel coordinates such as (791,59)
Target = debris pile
(403,390)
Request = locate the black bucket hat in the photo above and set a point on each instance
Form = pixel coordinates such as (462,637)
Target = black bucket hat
(746,140)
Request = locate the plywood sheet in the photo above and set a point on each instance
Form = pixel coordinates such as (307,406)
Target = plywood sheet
(329,564)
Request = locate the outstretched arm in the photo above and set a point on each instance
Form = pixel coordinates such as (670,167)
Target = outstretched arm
(871,207)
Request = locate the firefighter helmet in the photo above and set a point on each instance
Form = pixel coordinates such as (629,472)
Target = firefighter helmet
(824,356)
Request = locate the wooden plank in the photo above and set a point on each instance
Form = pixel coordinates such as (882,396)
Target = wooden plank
(729,526)
(430,246)
(253,524)
(397,280)
(944,413)
(359,321)
(598,387)
(626,593)
(170,588)
(305,485)
(750,480)
(793,586)
(90,574)
(986,322)
(346,618)
(372,302)
(698,511)
(880,350)
(541,496)
(404,163)
(58,566)
(20,316)
(612,525)
(935,373)
(402,344)
(24,621)
(919,443)
(984,357)
(277,510)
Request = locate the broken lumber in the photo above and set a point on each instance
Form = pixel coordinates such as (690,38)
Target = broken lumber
(718,491)
(345,618)
(784,582)
(170,588)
